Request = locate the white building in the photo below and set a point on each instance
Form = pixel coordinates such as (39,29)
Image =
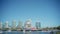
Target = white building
(19,24)
(28,24)
(6,24)
(14,24)
(0,25)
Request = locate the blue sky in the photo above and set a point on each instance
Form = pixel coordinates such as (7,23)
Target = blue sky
(46,10)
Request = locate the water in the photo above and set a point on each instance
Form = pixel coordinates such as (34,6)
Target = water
(27,32)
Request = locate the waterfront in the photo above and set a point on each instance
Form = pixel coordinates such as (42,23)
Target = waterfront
(28,32)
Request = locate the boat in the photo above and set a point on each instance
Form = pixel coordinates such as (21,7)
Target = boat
(24,31)
(9,30)
(1,32)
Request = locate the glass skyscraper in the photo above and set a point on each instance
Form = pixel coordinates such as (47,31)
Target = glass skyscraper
(38,25)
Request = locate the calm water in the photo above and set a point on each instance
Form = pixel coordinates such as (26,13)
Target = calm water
(27,32)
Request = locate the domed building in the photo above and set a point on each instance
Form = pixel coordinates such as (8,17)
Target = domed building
(28,24)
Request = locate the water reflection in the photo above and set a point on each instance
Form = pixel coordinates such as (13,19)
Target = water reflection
(27,32)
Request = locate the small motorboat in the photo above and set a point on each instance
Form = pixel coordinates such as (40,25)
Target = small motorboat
(1,32)
(24,31)
(9,30)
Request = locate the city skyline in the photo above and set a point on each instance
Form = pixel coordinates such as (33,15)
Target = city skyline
(27,25)
(46,11)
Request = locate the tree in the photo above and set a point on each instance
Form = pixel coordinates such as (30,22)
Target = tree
(58,27)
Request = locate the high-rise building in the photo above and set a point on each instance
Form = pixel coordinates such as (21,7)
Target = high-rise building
(19,24)
(6,24)
(28,24)
(38,25)
(0,25)
(14,24)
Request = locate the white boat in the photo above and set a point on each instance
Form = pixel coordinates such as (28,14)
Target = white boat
(29,31)
(24,31)
(1,32)
(9,30)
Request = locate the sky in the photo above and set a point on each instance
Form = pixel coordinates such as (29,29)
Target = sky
(45,11)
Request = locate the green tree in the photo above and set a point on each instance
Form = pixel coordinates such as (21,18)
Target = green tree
(58,27)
